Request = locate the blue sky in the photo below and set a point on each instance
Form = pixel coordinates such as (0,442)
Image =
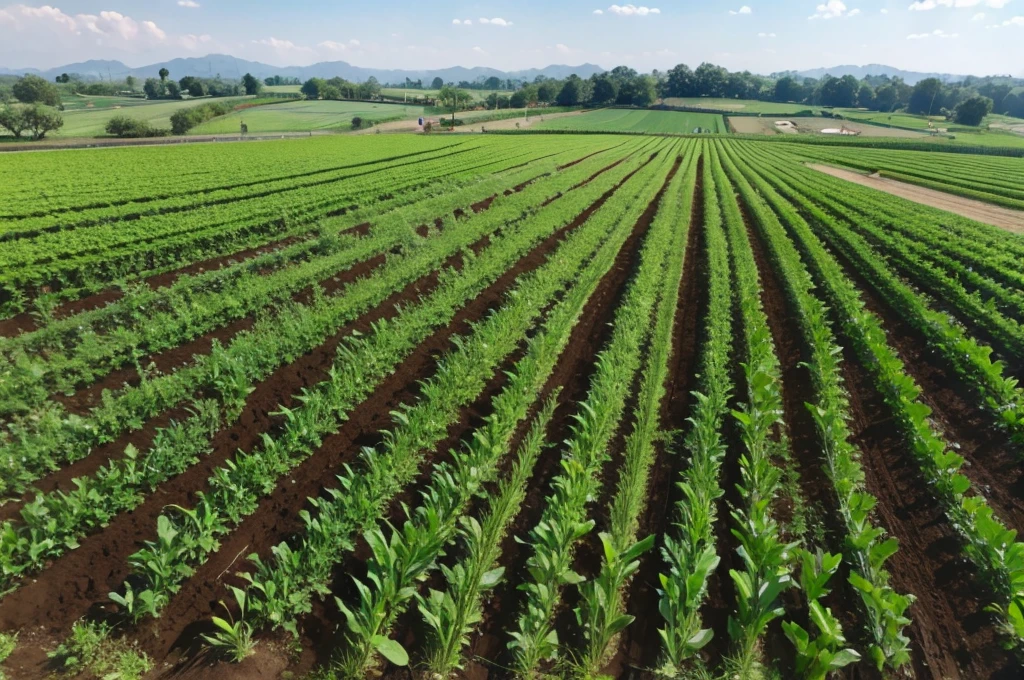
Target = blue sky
(961,36)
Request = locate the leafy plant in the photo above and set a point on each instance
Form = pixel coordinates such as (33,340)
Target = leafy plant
(233,636)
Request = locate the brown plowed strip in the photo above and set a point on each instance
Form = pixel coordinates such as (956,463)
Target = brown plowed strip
(277,517)
(814,483)
(573,374)
(16,325)
(951,635)
(992,466)
(62,479)
(590,552)
(639,645)
(1006,218)
(99,564)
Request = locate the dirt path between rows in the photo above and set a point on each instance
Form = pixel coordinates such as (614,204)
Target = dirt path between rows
(1011,220)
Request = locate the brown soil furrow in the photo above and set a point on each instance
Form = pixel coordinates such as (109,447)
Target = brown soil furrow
(590,552)
(639,647)
(813,481)
(277,517)
(99,565)
(951,635)
(61,479)
(572,374)
(992,463)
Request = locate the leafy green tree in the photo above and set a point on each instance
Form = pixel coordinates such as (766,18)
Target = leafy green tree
(645,91)
(41,119)
(437,84)
(972,111)
(130,82)
(681,82)
(251,84)
(605,90)
(194,86)
(710,80)
(519,99)
(546,92)
(926,97)
(164,73)
(788,89)
(452,99)
(153,88)
(63,78)
(866,96)
(569,95)
(12,119)
(311,88)
(173,90)
(886,98)
(35,90)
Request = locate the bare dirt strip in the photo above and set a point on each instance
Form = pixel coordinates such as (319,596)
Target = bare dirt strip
(1005,218)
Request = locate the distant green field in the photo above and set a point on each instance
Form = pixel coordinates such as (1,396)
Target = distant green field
(287,89)
(400,93)
(963,134)
(304,116)
(80,102)
(90,123)
(631,120)
(740,105)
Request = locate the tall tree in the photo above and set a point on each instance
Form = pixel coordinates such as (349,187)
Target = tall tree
(35,90)
(972,111)
(680,82)
(437,83)
(251,84)
(163,74)
(926,97)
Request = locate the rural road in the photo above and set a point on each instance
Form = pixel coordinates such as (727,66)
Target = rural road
(1011,220)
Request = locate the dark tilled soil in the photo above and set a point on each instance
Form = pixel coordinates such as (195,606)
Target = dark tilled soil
(814,483)
(951,634)
(639,646)
(487,654)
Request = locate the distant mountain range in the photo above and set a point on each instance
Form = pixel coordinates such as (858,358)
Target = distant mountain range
(230,67)
(858,72)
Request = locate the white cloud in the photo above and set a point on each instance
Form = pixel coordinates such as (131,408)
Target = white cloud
(191,41)
(479,50)
(354,42)
(497,21)
(332,46)
(563,49)
(937,33)
(766,35)
(464,22)
(742,10)
(927,5)
(1014,21)
(284,48)
(633,10)
(51,24)
(191,4)
(833,9)
(598,11)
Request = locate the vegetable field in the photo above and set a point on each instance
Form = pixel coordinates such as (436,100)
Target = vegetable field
(633,120)
(301,116)
(496,406)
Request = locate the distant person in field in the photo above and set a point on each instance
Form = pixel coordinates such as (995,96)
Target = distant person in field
(245,129)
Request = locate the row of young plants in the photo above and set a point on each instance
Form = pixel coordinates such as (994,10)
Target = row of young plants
(140,302)
(166,321)
(114,488)
(766,559)
(39,288)
(108,253)
(987,541)
(983,249)
(95,178)
(51,437)
(1000,187)
(865,545)
(600,614)
(404,556)
(63,223)
(236,488)
(972,360)
(690,551)
(563,524)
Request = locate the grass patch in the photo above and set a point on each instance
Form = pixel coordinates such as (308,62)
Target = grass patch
(89,648)
(634,120)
